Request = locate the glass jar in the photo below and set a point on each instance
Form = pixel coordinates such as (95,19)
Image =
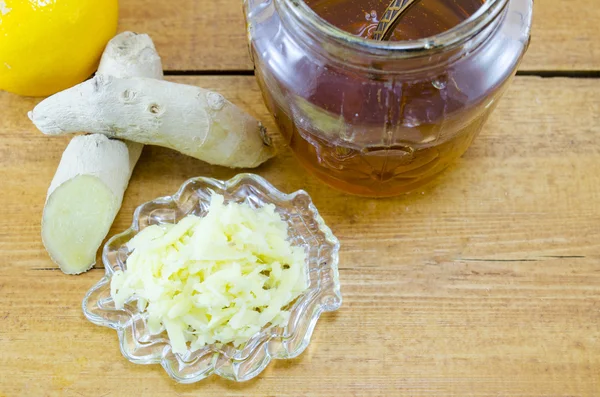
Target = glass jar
(382,118)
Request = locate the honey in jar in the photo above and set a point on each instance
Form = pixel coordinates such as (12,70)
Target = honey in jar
(380,118)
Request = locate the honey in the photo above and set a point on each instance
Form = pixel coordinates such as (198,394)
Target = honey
(426,18)
(381,120)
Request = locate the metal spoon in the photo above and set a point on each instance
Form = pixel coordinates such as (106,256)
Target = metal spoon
(391,17)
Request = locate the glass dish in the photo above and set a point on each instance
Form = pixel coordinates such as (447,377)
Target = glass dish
(306,229)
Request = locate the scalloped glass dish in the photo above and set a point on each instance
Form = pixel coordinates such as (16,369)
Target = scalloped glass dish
(306,229)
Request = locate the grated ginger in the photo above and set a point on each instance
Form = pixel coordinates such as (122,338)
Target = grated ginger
(214,279)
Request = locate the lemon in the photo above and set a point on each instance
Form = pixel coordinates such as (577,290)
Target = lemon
(49,45)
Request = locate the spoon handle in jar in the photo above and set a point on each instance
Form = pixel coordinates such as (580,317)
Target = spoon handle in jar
(391,17)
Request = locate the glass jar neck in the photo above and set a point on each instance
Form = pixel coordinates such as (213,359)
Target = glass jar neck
(384,57)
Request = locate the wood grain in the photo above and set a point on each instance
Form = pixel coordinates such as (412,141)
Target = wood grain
(210,35)
(487,283)
(192,35)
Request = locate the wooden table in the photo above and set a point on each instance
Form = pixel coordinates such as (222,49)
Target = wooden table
(485,284)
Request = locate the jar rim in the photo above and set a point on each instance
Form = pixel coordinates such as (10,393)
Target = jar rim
(406,48)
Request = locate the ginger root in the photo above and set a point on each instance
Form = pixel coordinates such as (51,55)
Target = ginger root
(84,198)
(87,190)
(189,119)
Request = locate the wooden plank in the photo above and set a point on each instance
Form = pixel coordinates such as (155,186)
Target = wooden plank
(193,35)
(564,36)
(484,284)
(210,35)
